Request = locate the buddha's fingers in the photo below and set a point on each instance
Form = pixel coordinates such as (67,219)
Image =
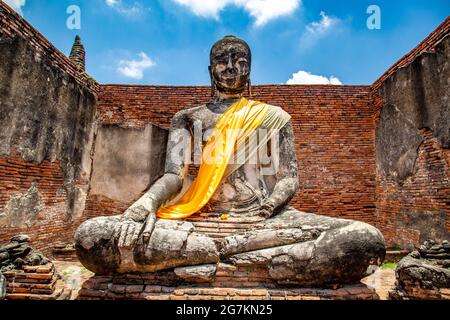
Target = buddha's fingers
(132,234)
(148,227)
(117,231)
(137,232)
(126,237)
(123,234)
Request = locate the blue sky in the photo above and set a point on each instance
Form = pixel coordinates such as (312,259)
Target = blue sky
(167,42)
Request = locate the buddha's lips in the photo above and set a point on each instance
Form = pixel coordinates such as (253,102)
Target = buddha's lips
(233,76)
(229,78)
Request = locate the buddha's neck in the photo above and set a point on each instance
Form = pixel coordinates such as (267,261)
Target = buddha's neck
(220,103)
(225,97)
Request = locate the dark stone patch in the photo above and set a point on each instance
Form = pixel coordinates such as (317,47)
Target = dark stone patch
(415,97)
(46,114)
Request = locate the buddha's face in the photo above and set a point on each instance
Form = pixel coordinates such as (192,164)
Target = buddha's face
(230,68)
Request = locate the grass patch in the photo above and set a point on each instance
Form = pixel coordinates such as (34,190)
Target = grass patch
(389,265)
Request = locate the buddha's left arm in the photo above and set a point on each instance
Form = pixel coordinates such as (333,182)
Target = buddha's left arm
(287,175)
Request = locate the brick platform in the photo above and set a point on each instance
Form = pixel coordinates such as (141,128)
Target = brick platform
(62,252)
(35,283)
(228,283)
(103,288)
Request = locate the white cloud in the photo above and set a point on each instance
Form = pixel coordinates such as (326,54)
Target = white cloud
(16,5)
(323,25)
(262,10)
(304,77)
(317,30)
(135,68)
(112,3)
(265,10)
(134,10)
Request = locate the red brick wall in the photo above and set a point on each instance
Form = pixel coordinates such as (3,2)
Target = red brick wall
(428,190)
(333,127)
(51,225)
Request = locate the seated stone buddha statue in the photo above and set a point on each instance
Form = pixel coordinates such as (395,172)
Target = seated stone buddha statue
(230,181)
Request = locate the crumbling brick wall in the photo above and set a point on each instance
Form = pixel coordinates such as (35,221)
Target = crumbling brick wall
(412,121)
(47,117)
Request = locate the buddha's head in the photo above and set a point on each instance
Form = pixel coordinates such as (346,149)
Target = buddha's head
(230,66)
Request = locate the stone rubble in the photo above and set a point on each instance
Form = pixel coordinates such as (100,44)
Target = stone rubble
(25,274)
(424,274)
(18,253)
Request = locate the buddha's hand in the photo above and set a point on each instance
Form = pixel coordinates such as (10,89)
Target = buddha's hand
(267,209)
(136,213)
(129,228)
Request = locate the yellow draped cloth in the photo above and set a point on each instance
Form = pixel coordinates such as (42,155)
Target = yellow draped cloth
(232,130)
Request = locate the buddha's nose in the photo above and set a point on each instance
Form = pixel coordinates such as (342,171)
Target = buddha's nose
(230,63)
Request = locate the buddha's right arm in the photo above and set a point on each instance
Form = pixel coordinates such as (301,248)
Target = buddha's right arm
(178,151)
(166,186)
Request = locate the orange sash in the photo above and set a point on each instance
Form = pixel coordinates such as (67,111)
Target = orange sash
(235,125)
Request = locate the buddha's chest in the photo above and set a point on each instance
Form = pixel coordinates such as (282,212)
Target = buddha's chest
(245,189)
(203,123)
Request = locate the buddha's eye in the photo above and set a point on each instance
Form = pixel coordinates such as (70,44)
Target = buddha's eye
(242,61)
(221,58)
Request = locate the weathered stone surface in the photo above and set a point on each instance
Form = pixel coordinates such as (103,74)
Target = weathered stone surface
(172,244)
(21,238)
(415,97)
(26,274)
(127,161)
(254,240)
(202,273)
(424,274)
(22,209)
(46,115)
(412,144)
(341,254)
(95,247)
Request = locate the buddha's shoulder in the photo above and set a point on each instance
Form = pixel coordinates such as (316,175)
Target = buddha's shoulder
(277,110)
(188,113)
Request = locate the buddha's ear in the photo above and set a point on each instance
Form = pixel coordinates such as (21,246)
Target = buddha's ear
(213,85)
(210,71)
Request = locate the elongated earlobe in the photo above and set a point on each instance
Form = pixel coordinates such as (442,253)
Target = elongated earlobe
(249,88)
(213,89)
(213,85)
